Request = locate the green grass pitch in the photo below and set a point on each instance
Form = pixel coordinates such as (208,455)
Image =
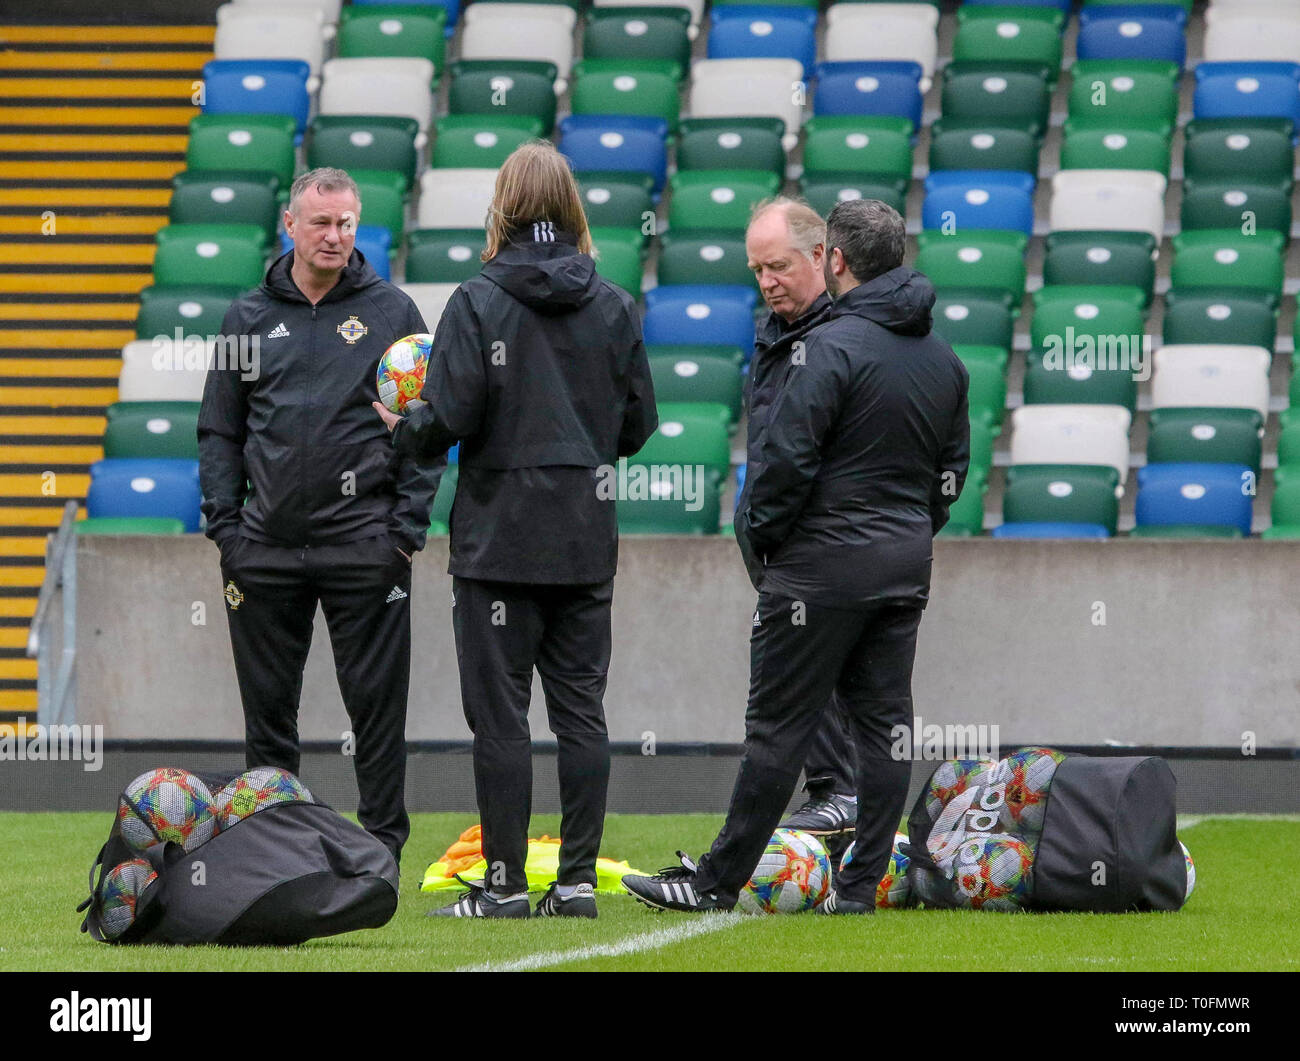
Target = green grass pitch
(1241,916)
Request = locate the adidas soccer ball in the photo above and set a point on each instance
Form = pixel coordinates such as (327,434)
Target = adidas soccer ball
(1032,770)
(793,875)
(951,779)
(893,891)
(165,805)
(992,872)
(1191,871)
(255,789)
(400,377)
(123,886)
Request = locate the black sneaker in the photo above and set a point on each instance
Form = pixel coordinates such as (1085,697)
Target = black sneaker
(834,904)
(582,903)
(673,889)
(825,817)
(478,903)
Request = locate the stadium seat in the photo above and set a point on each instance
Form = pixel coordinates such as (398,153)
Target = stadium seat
(377,142)
(979,199)
(875,88)
(625,89)
(329,9)
(1232,149)
(619,144)
(857,32)
(1128,34)
(1049,531)
(704,256)
(1115,92)
(647,33)
(430,300)
(1056,381)
(1062,493)
(393,30)
(1227,204)
(164,370)
(1248,90)
(989,148)
(455,198)
(1113,312)
(260,143)
(1028,36)
(823,192)
(258,86)
(717,199)
(260,32)
(145,487)
(1127,147)
(1231,377)
(233,255)
(401,87)
(987,395)
(1285,508)
(1007,99)
(674,505)
(520,31)
(689,434)
(974,259)
(440,511)
(691,314)
(1194,495)
(231,196)
(1260,33)
(767,33)
(985,355)
(736,88)
(1219,436)
(443,256)
(130,525)
(1072,434)
(694,7)
(480,141)
(1101,258)
(1218,319)
(1224,260)
(844,144)
(970,320)
(1108,200)
(383,201)
(731,143)
(679,378)
(619,254)
(504,86)
(198,309)
(966,515)
(152,429)
(618,201)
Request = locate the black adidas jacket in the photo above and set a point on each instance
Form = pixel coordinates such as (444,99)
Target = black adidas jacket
(540,372)
(862,452)
(297,455)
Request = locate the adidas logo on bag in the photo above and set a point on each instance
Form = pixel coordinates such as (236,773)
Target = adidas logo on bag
(278,332)
(397,594)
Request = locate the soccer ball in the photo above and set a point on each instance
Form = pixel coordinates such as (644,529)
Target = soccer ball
(992,872)
(1032,770)
(893,891)
(951,779)
(164,805)
(121,891)
(1191,871)
(400,377)
(793,875)
(255,789)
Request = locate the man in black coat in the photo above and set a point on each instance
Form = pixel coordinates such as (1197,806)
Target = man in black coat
(866,448)
(307,501)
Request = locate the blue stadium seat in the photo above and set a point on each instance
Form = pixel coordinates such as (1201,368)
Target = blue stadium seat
(711,315)
(257,86)
(1001,199)
(374,241)
(747,32)
(647,122)
(1050,530)
(452,7)
(1172,12)
(135,486)
(1121,34)
(1248,90)
(1202,495)
(1062,6)
(615,144)
(870,88)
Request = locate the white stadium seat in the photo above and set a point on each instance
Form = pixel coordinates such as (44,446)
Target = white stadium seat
(1211,376)
(1071,434)
(520,31)
(329,9)
(876,32)
(164,370)
(256,32)
(431,300)
(455,198)
(734,88)
(1253,35)
(386,85)
(1109,200)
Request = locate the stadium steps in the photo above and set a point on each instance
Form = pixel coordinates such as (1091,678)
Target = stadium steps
(93,126)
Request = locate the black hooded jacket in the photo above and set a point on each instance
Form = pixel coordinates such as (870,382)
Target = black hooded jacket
(862,452)
(540,372)
(297,456)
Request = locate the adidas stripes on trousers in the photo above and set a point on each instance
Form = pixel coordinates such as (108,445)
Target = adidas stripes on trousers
(799,654)
(503,630)
(364,588)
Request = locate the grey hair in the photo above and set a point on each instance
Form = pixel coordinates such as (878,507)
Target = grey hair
(324,178)
(870,234)
(807,229)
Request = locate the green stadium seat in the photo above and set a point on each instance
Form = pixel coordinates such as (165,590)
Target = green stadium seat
(1009,100)
(152,429)
(717,199)
(1115,146)
(233,255)
(438,530)
(440,512)
(480,141)
(1094,311)
(697,379)
(982,434)
(824,192)
(1219,203)
(259,142)
(984,355)
(225,197)
(1286,507)
(1219,318)
(844,144)
(731,143)
(975,319)
(632,87)
(1230,149)
(444,255)
(1225,260)
(689,435)
(505,86)
(694,409)
(1024,35)
(393,30)
(1096,258)
(379,142)
(966,515)
(1288,444)
(729,355)
(620,257)
(974,259)
(638,33)
(704,257)
(196,310)
(990,148)
(1062,493)
(129,525)
(383,201)
(1205,436)
(610,203)
(1053,383)
(672,505)
(1116,91)
(988,390)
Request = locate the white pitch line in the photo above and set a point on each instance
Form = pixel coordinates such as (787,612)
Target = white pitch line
(661,937)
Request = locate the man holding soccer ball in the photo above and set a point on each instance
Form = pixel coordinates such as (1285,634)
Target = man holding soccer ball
(307,501)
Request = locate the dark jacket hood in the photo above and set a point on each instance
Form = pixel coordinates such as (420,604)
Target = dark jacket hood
(899,300)
(356,275)
(548,275)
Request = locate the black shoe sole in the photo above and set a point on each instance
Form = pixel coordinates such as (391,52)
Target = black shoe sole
(561,913)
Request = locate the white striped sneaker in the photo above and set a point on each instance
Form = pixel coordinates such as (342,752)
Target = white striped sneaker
(478,903)
(673,889)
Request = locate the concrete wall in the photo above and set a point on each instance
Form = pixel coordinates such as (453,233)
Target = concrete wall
(1199,643)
